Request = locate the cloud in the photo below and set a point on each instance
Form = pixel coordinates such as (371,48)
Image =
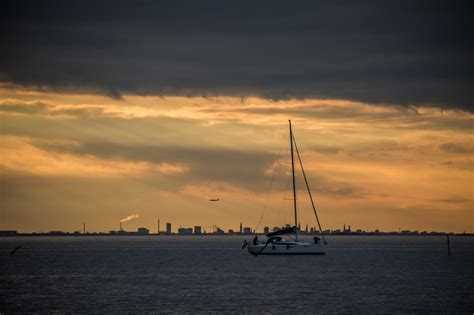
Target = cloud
(455,200)
(72,156)
(20,107)
(409,53)
(325,149)
(457,148)
(29,156)
(203,163)
(46,108)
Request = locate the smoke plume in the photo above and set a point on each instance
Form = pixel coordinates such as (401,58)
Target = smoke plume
(130,217)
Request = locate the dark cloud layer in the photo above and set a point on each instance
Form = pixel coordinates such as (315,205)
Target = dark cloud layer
(206,164)
(408,52)
(242,168)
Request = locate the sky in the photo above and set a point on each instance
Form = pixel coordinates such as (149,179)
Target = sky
(154,107)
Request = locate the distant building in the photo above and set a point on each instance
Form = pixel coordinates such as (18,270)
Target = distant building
(8,233)
(219,232)
(185,231)
(56,233)
(348,231)
(247,231)
(231,232)
(266,230)
(168,228)
(143,231)
(240,228)
(197,230)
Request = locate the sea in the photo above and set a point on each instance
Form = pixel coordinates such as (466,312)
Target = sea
(212,274)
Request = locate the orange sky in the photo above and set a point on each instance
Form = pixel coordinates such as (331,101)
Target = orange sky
(66,159)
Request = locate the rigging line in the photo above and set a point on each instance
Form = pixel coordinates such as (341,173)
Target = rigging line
(284,208)
(284,187)
(309,191)
(271,182)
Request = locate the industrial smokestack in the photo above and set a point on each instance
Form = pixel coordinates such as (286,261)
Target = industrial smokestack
(130,217)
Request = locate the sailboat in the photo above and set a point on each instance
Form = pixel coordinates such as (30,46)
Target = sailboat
(279,241)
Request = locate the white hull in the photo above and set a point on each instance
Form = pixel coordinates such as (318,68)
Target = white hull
(288,248)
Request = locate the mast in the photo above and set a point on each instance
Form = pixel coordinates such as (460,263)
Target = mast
(294,183)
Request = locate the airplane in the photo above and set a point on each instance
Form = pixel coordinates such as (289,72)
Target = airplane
(214,199)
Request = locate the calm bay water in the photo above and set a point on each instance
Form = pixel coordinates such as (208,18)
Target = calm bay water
(211,274)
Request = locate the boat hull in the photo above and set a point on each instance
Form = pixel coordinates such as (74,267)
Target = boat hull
(285,248)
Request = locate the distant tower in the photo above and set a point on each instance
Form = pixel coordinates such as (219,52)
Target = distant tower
(197,230)
(240,227)
(84,228)
(344,228)
(158,227)
(168,228)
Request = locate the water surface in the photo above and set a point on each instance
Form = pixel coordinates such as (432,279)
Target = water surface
(382,274)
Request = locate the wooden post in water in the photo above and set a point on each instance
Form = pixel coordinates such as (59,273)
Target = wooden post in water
(14,251)
(449,246)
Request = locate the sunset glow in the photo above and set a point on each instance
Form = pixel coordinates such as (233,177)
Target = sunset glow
(68,158)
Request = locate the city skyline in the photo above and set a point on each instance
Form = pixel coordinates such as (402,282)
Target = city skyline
(241,229)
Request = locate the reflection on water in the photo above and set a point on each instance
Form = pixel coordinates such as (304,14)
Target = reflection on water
(212,274)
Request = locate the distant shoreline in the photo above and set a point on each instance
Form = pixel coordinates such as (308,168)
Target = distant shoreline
(65,234)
